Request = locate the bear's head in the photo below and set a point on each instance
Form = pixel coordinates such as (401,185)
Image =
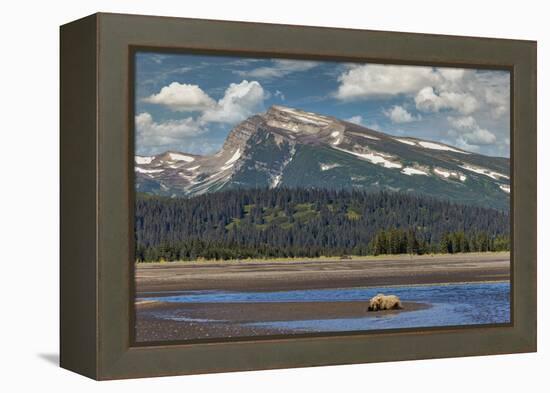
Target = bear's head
(374,303)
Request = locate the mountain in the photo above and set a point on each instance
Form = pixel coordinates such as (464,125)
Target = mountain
(287,147)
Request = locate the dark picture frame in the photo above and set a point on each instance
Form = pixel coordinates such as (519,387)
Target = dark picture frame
(97,195)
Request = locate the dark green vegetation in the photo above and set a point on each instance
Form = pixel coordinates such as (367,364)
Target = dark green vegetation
(268,223)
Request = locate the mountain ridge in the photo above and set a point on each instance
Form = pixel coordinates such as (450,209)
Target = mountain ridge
(295,148)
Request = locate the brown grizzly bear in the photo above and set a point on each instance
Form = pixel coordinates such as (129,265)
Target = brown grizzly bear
(383,302)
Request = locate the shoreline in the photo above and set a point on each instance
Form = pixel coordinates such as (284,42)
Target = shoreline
(163,321)
(146,295)
(365,258)
(265,276)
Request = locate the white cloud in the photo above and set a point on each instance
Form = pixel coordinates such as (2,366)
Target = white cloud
(452,75)
(377,80)
(465,122)
(280,95)
(428,100)
(480,136)
(239,102)
(279,69)
(151,134)
(398,114)
(468,131)
(357,119)
(182,98)
(145,125)
(496,89)
(433,89)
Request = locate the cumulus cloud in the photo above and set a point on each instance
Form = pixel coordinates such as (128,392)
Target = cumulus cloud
(150,133)
(181,97)
(475,103)
(239,102)
(428,100)
(433,89)
(378,80)
(278,69)
(279,94)
(398,114)
(359,120)
(464,122)
(468,131)
(496,91)
(480,136)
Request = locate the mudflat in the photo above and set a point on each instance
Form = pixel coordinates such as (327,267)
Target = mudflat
(226,320)
(158,321)
(320,273)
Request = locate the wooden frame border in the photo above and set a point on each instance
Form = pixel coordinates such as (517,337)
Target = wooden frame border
(96,197)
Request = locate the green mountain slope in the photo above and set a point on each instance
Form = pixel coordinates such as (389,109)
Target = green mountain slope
(292,148)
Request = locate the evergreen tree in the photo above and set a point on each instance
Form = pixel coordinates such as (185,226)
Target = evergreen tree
(262,223)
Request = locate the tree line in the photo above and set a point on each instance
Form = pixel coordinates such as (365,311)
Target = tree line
(399,241)
(271,223)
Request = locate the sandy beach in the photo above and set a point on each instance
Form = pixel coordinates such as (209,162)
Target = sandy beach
(322,273)
(158,321)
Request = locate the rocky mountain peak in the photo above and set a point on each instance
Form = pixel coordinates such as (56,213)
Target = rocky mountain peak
(239,135)
(298,121)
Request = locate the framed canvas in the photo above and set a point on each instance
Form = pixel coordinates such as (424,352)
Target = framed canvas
(242,196)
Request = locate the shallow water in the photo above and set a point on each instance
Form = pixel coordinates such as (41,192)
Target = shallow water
(451,305)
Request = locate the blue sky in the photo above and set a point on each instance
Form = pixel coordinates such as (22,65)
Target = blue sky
(189,103)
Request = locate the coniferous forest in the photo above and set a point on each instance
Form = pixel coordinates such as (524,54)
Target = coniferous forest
(287,223)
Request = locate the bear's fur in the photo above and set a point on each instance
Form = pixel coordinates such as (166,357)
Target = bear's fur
(383,302)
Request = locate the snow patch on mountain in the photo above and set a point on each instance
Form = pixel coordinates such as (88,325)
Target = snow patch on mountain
(278,175)
(180,157)
(484,171)
(437,146)
(337,135)
(442,173)
(375,158)
(327,167)
(313,118)
(405,141)
(413,171)
(143,160)
(366,136)
(275,181)
(187,177)
(234,158)
(143,170)
(315,121)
